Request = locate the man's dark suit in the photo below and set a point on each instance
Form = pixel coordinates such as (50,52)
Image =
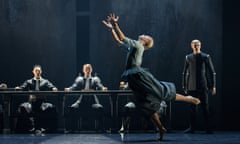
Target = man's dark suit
(89,103)
(198,77)
(81,84)
(30,84)
(44,114)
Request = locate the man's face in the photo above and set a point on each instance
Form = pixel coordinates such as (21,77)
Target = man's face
(196,47)
(87,70)
(37,71)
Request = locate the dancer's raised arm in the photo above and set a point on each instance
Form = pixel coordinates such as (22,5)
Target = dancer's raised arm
(114,20)
(112,24)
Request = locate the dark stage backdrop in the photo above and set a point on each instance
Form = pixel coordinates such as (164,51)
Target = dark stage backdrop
(61,35)
(37,32)
(231,64)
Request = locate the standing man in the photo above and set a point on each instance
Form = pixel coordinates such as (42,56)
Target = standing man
(198,77)
(36,115)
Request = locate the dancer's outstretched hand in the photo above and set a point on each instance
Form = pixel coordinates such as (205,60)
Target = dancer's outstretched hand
(113,17)
(107,23)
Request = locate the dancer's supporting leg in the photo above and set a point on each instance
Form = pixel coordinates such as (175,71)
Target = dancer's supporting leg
(157,121)
(179,97)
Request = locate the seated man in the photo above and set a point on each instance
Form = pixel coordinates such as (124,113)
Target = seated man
(86,83)
(36,115)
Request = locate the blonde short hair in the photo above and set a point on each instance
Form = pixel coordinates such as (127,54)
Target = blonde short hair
(149,43)
(195,41)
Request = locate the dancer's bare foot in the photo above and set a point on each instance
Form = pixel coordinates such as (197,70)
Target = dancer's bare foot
(193,100)
(162,131)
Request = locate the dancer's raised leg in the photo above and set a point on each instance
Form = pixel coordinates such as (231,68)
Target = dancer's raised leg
(188,99)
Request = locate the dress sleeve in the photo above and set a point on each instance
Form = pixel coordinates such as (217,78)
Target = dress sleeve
(131,42)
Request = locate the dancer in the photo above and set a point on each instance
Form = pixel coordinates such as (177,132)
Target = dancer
(148,92)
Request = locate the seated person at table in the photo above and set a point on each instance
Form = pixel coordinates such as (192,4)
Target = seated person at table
(86,83)
(36,115)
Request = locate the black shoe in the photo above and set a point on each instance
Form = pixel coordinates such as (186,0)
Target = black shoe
(31,130)
(38,132)
(67,131)
(189,130)
(121,131)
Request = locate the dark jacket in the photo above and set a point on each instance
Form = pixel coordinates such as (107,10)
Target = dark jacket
(44,85)
(94,84)
(198,72)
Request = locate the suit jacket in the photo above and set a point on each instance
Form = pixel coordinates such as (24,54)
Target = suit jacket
(94,84)
(80,82)
(44,84)
(198,72)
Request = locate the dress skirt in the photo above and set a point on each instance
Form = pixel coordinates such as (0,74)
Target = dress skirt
(148,92)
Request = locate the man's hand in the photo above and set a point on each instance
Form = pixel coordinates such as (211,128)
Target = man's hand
(185,90)
(3,86)
(105,89)
(214,91)
(54,89)
(67,89)
(17,88)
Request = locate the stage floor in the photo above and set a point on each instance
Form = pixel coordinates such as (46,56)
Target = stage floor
(220,137)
